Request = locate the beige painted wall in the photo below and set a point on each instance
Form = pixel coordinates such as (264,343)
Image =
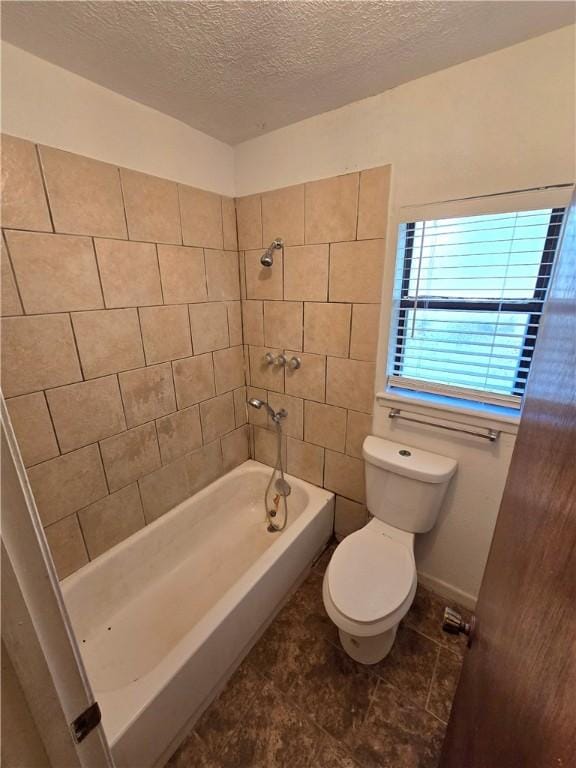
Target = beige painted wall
(500,122)
(22,746)
(515,128)
(50,105)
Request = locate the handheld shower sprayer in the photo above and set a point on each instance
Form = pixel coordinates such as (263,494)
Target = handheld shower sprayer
(267,258)
(281,485)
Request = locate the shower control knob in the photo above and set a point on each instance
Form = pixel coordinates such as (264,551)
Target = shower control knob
(294,363)
(454,624)
(271,359)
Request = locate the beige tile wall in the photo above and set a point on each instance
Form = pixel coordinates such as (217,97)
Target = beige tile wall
(125,308)
(321,302)
(122,359)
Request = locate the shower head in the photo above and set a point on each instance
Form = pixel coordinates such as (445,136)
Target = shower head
(267,259)
(268,256)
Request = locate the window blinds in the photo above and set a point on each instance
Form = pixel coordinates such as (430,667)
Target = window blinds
(468,298)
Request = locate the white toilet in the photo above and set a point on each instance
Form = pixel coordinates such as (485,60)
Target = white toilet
(370,581)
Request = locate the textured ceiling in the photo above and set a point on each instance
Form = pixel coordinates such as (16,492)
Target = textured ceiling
(239,68)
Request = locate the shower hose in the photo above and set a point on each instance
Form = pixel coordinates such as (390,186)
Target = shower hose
(278,468)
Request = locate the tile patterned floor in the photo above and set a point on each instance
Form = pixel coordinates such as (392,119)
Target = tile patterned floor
(298,701)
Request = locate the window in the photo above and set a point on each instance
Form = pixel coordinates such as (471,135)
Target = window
(468,297)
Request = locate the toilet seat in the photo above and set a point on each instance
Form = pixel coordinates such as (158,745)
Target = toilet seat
(370,575)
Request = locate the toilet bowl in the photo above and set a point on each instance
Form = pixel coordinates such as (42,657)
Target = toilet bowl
(370,581)
(368,588)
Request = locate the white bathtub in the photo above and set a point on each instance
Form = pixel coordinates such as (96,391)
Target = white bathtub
(164,618)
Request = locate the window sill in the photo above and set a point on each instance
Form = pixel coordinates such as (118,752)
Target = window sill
(451,409)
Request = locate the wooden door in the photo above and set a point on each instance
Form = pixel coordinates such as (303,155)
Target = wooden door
(515,706)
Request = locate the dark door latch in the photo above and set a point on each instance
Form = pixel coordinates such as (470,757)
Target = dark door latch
(86,722)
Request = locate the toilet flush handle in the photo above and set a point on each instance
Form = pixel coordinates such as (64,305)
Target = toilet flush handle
(454,624)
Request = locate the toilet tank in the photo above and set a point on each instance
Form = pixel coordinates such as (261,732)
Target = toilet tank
(405,486)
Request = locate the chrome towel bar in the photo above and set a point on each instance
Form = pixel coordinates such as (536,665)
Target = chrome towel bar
(492,434)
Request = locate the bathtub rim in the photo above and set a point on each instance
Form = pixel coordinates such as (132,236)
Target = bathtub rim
(173,662)
(250,465)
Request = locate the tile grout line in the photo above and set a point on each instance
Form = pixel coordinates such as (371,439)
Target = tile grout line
(181,303)
(122,403)
(82,534)
(77,349)
(122,307)
(236,222)
(61,233)
(44,186)
(50,416)
(177,410)
(141,498)
(221,206)
(14,228)
(359,173)
(159,274)
(144,355)
(439,719)
(67,517)
(106,480)
(123,198)
(97,264)
(431,684)
(11,265)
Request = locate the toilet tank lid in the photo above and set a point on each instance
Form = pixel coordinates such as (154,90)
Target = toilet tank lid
(407,461)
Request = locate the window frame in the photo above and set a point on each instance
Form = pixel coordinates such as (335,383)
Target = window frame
(532,306)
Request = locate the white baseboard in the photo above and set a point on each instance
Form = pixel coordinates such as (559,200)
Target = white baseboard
(448,591)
